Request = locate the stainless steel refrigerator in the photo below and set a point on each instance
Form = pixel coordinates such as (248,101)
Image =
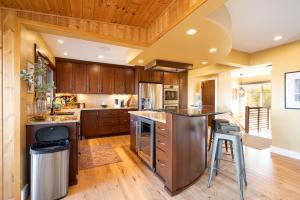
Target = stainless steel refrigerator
(150,96)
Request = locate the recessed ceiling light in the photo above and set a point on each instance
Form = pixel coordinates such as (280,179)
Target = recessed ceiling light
(60,41)
(191,31)
(140,61)
(100,56)
(278,37)
(212,50)
(65,54)
(204,62)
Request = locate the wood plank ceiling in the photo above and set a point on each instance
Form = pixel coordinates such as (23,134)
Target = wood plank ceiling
(127,12)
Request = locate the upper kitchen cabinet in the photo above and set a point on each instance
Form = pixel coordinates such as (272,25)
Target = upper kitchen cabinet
(119,81)
(183,90)
(171,78)
(64,77)
(149,76)
(107,79)
(129,81)
(93,79)
(79,78)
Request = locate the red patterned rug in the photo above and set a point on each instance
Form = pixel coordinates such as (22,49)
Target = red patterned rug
(97,155)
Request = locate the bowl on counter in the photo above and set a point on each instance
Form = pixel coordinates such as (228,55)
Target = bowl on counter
(103,106)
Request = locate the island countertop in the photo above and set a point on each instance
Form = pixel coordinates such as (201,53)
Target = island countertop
(201,111)
(153,115)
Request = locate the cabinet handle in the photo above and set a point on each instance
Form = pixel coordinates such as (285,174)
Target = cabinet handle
(162,129)
(161,163)
(160,142)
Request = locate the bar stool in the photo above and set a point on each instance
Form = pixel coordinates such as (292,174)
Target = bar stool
(236,139)
(215,125)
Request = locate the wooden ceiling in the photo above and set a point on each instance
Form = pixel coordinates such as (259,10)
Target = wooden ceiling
(127,12)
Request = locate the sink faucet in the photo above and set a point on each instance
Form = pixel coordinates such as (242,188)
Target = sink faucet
(52,105)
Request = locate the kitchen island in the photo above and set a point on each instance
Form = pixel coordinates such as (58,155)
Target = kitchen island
(180,144)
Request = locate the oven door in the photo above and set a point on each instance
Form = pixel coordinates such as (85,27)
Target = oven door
(146,141)
(171,96)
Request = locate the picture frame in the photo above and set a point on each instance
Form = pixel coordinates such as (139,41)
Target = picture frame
(292,90)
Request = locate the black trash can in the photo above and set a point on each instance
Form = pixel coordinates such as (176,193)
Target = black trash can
(50,164)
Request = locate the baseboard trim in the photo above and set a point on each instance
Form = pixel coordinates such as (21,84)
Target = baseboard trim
(285,152)
(24,192)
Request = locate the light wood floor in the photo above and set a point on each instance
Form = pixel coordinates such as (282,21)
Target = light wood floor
(269,177)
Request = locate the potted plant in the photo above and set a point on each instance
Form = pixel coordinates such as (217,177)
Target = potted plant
(41,87)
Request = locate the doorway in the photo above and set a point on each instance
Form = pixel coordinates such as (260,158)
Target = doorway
(208,95)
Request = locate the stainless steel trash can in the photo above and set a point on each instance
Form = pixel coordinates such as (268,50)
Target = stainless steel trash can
(50,164)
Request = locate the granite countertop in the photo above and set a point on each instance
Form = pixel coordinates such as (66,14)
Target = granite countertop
(201,111)
(108,108)
(153,115)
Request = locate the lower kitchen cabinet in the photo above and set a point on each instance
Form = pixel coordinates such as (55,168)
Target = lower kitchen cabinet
(133,132)
(98,123)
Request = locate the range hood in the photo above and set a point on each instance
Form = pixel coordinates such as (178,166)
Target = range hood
(168,66)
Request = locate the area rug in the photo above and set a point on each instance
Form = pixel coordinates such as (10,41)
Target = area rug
(97,155)
(256,142)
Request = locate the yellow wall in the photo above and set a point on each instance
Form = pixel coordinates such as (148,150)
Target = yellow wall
(28,39)
(285,122)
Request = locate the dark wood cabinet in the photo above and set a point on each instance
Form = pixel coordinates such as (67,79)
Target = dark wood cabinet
(149,76)
(183,90)
(171,78)
(93,79)
(64,77)
(133,123)
(119,81)
(97,123)
(107,80)
(79,78)
(129,81)
(90,123)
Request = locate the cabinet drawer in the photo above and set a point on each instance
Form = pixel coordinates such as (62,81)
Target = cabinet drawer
(161,128)
(124,121)
(124,113)
(108,121)
(124,128)
(161,142)
(161,167)
(108,113)
(109,129)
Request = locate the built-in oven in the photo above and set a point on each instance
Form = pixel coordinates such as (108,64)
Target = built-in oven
(171,94)
(145,141)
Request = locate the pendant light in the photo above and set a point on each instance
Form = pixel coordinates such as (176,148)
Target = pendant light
(241,89)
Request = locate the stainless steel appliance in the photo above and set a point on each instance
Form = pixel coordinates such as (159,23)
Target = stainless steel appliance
(145,141)
(150,96)
(171,107)
(171,95)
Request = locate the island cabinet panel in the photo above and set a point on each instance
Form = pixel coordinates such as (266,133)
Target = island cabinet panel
(98,123)
(64,77)
(93,79)
(133,132)
(183,90)
(171,78)
(79,78)
(74,148)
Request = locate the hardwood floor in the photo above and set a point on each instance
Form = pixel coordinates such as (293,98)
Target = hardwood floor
(269,177)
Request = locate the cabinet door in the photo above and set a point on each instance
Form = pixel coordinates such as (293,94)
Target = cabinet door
(119,81)
(144,76)
(93,79)
(107,79)
(79,78)
(129,81)
(171,78)
(90,123)
(64,77)
(183,90)
(156,77)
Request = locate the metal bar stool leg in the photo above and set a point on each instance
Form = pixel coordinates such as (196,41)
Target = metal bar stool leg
(231,150)
(243,162)
(219,155)
(238,167)
(211,137)
(212,162)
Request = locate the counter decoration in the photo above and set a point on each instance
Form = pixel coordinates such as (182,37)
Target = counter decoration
(41,87)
